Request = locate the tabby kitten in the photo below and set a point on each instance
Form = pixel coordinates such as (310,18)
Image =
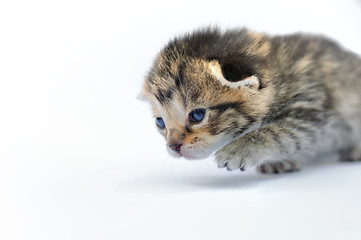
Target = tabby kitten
(256,100)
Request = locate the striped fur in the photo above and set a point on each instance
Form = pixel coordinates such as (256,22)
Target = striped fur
(269,100)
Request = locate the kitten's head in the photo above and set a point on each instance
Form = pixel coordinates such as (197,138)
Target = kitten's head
(207,88)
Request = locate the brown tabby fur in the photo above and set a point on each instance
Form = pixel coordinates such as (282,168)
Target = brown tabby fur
(270,101)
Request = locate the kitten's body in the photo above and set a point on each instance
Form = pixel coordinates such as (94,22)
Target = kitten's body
(268,101)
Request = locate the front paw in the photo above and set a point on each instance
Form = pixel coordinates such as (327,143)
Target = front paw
(233,160)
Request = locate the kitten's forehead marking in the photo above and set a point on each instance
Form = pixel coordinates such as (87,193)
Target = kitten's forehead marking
(173,112)
(217,72)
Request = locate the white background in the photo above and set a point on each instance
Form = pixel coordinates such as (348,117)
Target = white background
(80,157)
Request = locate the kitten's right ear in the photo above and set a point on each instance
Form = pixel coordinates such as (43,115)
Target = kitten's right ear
(144,93)
(141,96)
(234,76)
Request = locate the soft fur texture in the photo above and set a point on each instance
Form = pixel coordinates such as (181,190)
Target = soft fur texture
(270,101)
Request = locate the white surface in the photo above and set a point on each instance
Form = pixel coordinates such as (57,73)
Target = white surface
(80,157)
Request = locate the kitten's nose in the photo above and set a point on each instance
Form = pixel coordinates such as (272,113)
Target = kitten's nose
(175,147)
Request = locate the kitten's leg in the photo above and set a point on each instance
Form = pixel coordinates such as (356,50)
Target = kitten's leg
(278,167)
(351,154)
(288,138)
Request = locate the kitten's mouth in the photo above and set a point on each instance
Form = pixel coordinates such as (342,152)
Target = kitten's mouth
(178,154)
(198,151)
(182,151)
(192,154)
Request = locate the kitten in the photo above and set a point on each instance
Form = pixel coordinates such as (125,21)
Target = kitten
(256,100)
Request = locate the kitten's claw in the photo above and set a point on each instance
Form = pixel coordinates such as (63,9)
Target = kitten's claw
(226,166)
(222,164)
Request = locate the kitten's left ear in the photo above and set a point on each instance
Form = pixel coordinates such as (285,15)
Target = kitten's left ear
(234,76)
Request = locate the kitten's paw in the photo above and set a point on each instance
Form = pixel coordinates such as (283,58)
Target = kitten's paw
(235,160)
(278,167)
(351,154)
(229,161)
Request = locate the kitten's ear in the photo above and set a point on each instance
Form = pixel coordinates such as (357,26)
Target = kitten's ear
(142,96)
(234,76)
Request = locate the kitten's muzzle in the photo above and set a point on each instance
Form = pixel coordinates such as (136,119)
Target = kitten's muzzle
(175,147)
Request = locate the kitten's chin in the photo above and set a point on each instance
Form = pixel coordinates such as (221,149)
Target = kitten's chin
(194,156)
(174,154)
(203,150)
(189,154)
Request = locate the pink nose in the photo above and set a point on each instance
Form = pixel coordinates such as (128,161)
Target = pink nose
(175,147)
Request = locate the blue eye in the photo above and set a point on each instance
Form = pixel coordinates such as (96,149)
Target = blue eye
(197,115)
(160,122)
